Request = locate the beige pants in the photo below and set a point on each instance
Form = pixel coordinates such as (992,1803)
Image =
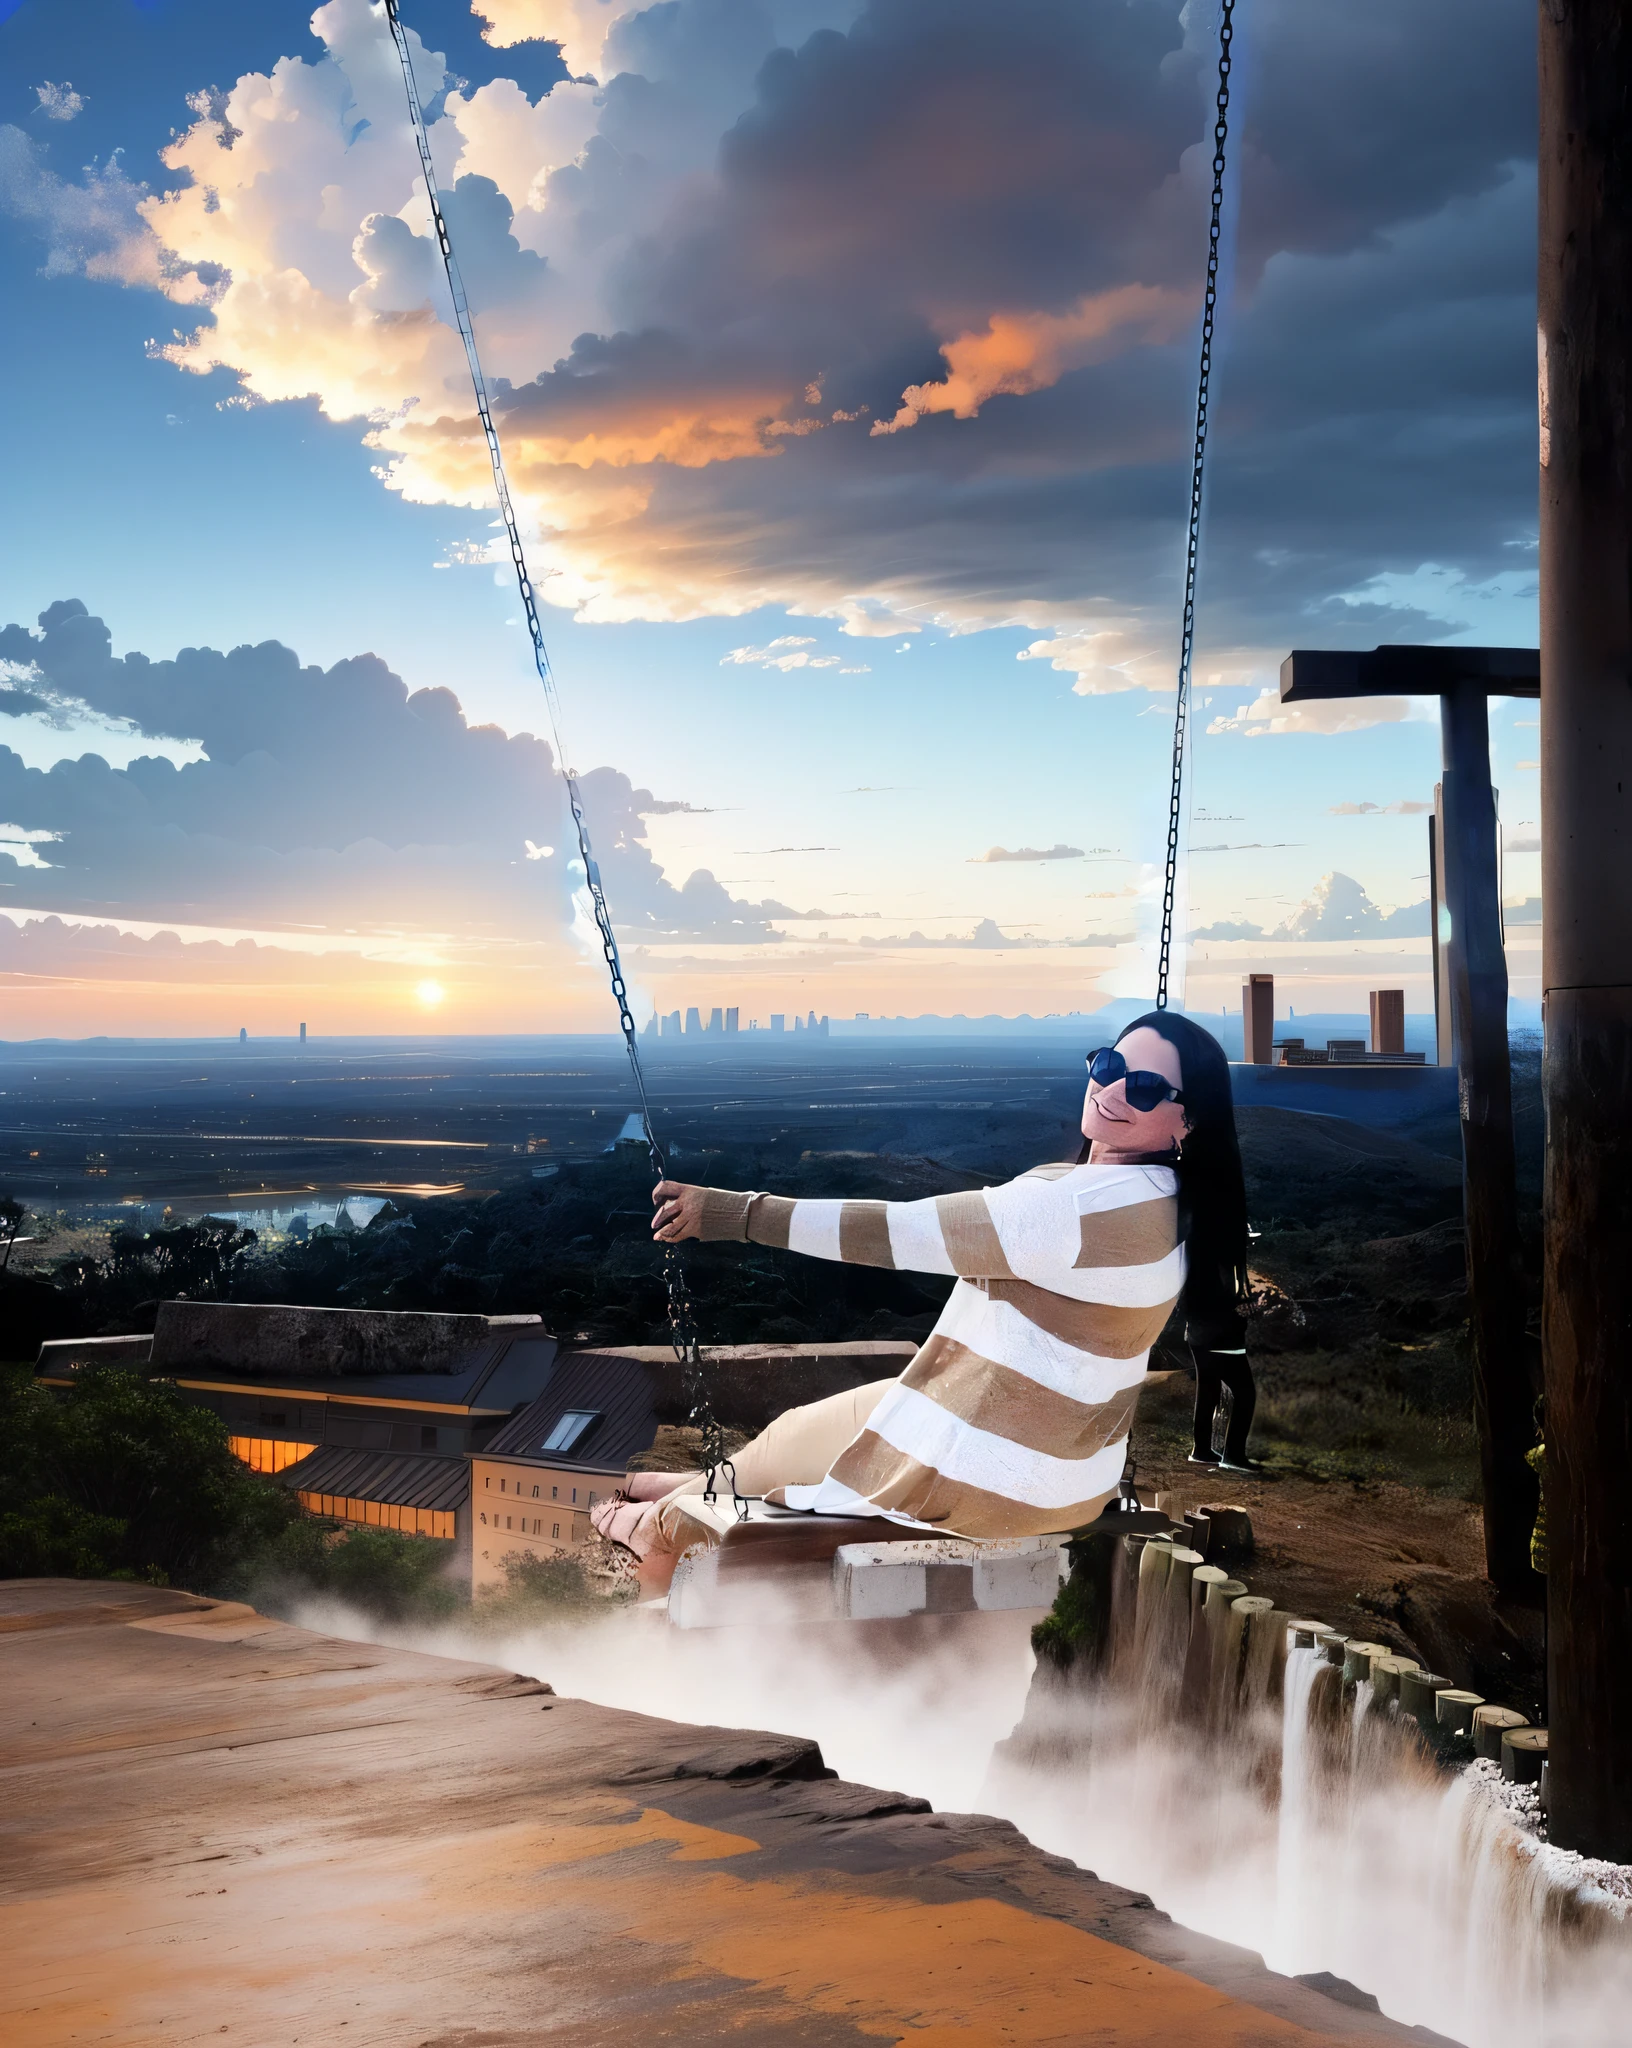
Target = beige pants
(795,1450)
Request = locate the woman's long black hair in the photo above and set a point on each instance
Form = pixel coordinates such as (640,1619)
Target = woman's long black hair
(1212,1188)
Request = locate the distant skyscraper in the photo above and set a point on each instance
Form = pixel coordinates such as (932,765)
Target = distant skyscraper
(731,1023)
(1388,1020)
(716,1024)
(778,1021)
(694,1023)
(671,1024)
(1258,1020)
(303,1034)
(243,1034)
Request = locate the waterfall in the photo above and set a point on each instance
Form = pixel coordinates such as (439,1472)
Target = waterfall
(1259,1794)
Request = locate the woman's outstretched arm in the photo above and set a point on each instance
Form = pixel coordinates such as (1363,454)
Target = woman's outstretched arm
(954,1234)
(1114,1241)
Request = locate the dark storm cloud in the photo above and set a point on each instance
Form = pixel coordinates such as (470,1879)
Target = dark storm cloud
(906,310)
(896,185)
(325,795)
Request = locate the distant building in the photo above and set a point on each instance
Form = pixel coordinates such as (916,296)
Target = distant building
(1340,1052)
(303,1034)
(1258,1020)
(671,1024)
(716,1023)
(243,1034)
(731,1023)
(369,1416)
(1388,1020)
(778,1021)
(694,1023)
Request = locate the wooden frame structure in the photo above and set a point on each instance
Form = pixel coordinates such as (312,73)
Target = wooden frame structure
(1470,965)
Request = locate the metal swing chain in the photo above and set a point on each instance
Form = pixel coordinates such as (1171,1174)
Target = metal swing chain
(682,1322)
(1187,638)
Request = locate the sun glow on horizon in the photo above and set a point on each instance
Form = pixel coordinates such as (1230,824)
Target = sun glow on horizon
(429,994)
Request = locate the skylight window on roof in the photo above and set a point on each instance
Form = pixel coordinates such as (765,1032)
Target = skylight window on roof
(570,1431)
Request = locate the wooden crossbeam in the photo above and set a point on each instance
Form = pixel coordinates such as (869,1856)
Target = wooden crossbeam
(1309,674)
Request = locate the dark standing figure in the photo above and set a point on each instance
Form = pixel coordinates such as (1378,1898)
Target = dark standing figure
(1216,1292)
(1220,1357)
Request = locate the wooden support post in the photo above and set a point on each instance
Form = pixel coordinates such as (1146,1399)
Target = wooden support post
(1438,925)
(1470,980)
(1585,347)
(1503,1389)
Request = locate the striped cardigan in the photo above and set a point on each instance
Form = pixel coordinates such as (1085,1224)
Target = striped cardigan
(1013,1418)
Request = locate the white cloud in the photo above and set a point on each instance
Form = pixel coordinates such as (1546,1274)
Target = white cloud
(1402,807)
(1267,714)
(22,846)
(1104,661)
(94,228)
(788,651)
(1339,908)
(1025,853)
(59,102)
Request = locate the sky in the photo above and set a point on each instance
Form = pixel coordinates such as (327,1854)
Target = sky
(843,358)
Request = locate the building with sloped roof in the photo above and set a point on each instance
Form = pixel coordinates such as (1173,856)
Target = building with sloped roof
(367,1415)
(533,1484)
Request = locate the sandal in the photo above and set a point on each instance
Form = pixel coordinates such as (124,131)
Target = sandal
(653,1485)
(630,1524)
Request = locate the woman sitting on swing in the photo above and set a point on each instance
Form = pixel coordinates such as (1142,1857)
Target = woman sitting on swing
(1013,1418)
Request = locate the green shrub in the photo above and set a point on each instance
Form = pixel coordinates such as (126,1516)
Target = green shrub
(119,1477)
(386,1575)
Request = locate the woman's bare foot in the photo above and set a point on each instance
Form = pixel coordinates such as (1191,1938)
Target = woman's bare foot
(630,1523)
(653,1485)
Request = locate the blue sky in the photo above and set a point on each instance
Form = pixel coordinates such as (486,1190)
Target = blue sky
(844,358)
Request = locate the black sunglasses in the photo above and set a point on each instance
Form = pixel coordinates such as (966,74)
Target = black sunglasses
(1144,1090)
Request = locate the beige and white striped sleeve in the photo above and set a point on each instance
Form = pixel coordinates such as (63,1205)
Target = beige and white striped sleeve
(954,1234)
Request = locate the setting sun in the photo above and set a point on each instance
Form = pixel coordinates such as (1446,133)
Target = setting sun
(429,994)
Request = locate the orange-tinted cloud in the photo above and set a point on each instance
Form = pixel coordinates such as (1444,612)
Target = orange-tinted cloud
(1017,353)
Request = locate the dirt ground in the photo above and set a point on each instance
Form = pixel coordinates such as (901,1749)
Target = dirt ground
(1378,1557)
(219,1827)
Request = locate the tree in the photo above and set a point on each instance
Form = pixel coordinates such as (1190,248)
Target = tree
(12,1214)
(120,1477)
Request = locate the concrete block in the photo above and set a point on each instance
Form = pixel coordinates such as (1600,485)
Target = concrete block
(702,1595)
(1025,1571)
(887,1581)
